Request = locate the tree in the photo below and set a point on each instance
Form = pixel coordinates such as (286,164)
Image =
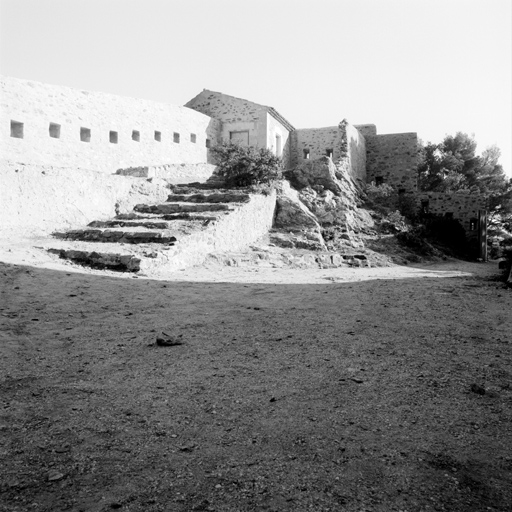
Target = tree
(453,165)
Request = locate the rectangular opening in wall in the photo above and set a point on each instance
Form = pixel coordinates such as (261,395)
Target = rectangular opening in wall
(208,143)
(193,138)
(54,130)
(158,136)
(16,129)
(329,153)
(176,137)
(112,137)
(306,154)
(136,135)
(473,223)
(279,149)
(85,134)
(424,206)
(379,180)
(241,137)
(401,191)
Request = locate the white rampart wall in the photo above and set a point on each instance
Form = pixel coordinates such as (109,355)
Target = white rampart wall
(36,199)
(36,105)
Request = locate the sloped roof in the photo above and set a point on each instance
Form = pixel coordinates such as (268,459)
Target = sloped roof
(271,110)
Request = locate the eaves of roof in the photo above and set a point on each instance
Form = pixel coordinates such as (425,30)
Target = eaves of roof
(276,115)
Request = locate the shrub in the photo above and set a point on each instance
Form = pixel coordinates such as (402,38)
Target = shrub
(408,207)
(379,193)
(243,166)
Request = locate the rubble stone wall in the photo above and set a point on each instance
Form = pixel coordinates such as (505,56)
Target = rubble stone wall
(117,131)
(316,142)
(463,206)
(366,129)
(394,159)
(346,143)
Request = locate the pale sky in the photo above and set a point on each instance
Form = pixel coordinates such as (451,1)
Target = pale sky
(428,66)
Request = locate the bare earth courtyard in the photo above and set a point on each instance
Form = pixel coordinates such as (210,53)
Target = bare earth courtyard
(342,390)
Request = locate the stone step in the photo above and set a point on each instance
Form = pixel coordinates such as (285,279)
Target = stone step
(116,236)
(181,208)
(100,260)
(118,223)
(225,197)
(112,255)
(169,216)
(289,259)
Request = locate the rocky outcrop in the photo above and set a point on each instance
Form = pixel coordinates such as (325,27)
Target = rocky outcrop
(318,174)
(320,198)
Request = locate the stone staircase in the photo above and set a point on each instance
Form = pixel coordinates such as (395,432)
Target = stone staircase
(169,236)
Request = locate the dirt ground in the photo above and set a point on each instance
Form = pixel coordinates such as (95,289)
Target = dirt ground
(328,390)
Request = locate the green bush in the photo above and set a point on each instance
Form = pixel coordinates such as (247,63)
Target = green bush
(243,166)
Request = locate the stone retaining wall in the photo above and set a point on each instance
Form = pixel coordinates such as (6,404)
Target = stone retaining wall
(462,206)
(36,199)
(172,173)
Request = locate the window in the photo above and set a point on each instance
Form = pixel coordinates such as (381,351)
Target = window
(16,130)
(136,135)
(208,143)
(278,145)
(54,130)
(158,136)
(401,191)
(306,154)
(241,137)
(379,180)
(424,206)
(329,153)
(113,137)
(85,134)
(193,138)
(473,223)
(176,137)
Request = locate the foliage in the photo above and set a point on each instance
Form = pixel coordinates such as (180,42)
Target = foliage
(436,231)
(453,165)
(394,222)
(243,166)
(384,195)
(377,193)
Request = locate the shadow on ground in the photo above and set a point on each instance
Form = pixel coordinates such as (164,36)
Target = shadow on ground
(373,395)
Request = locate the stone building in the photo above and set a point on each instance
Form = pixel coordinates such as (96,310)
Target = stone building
(65,127)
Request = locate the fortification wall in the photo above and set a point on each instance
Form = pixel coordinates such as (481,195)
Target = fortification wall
(73,128)
(393,159)
(313,143)
(343,143)
(462,206)
(366,129)
(356,148)
(37,199)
